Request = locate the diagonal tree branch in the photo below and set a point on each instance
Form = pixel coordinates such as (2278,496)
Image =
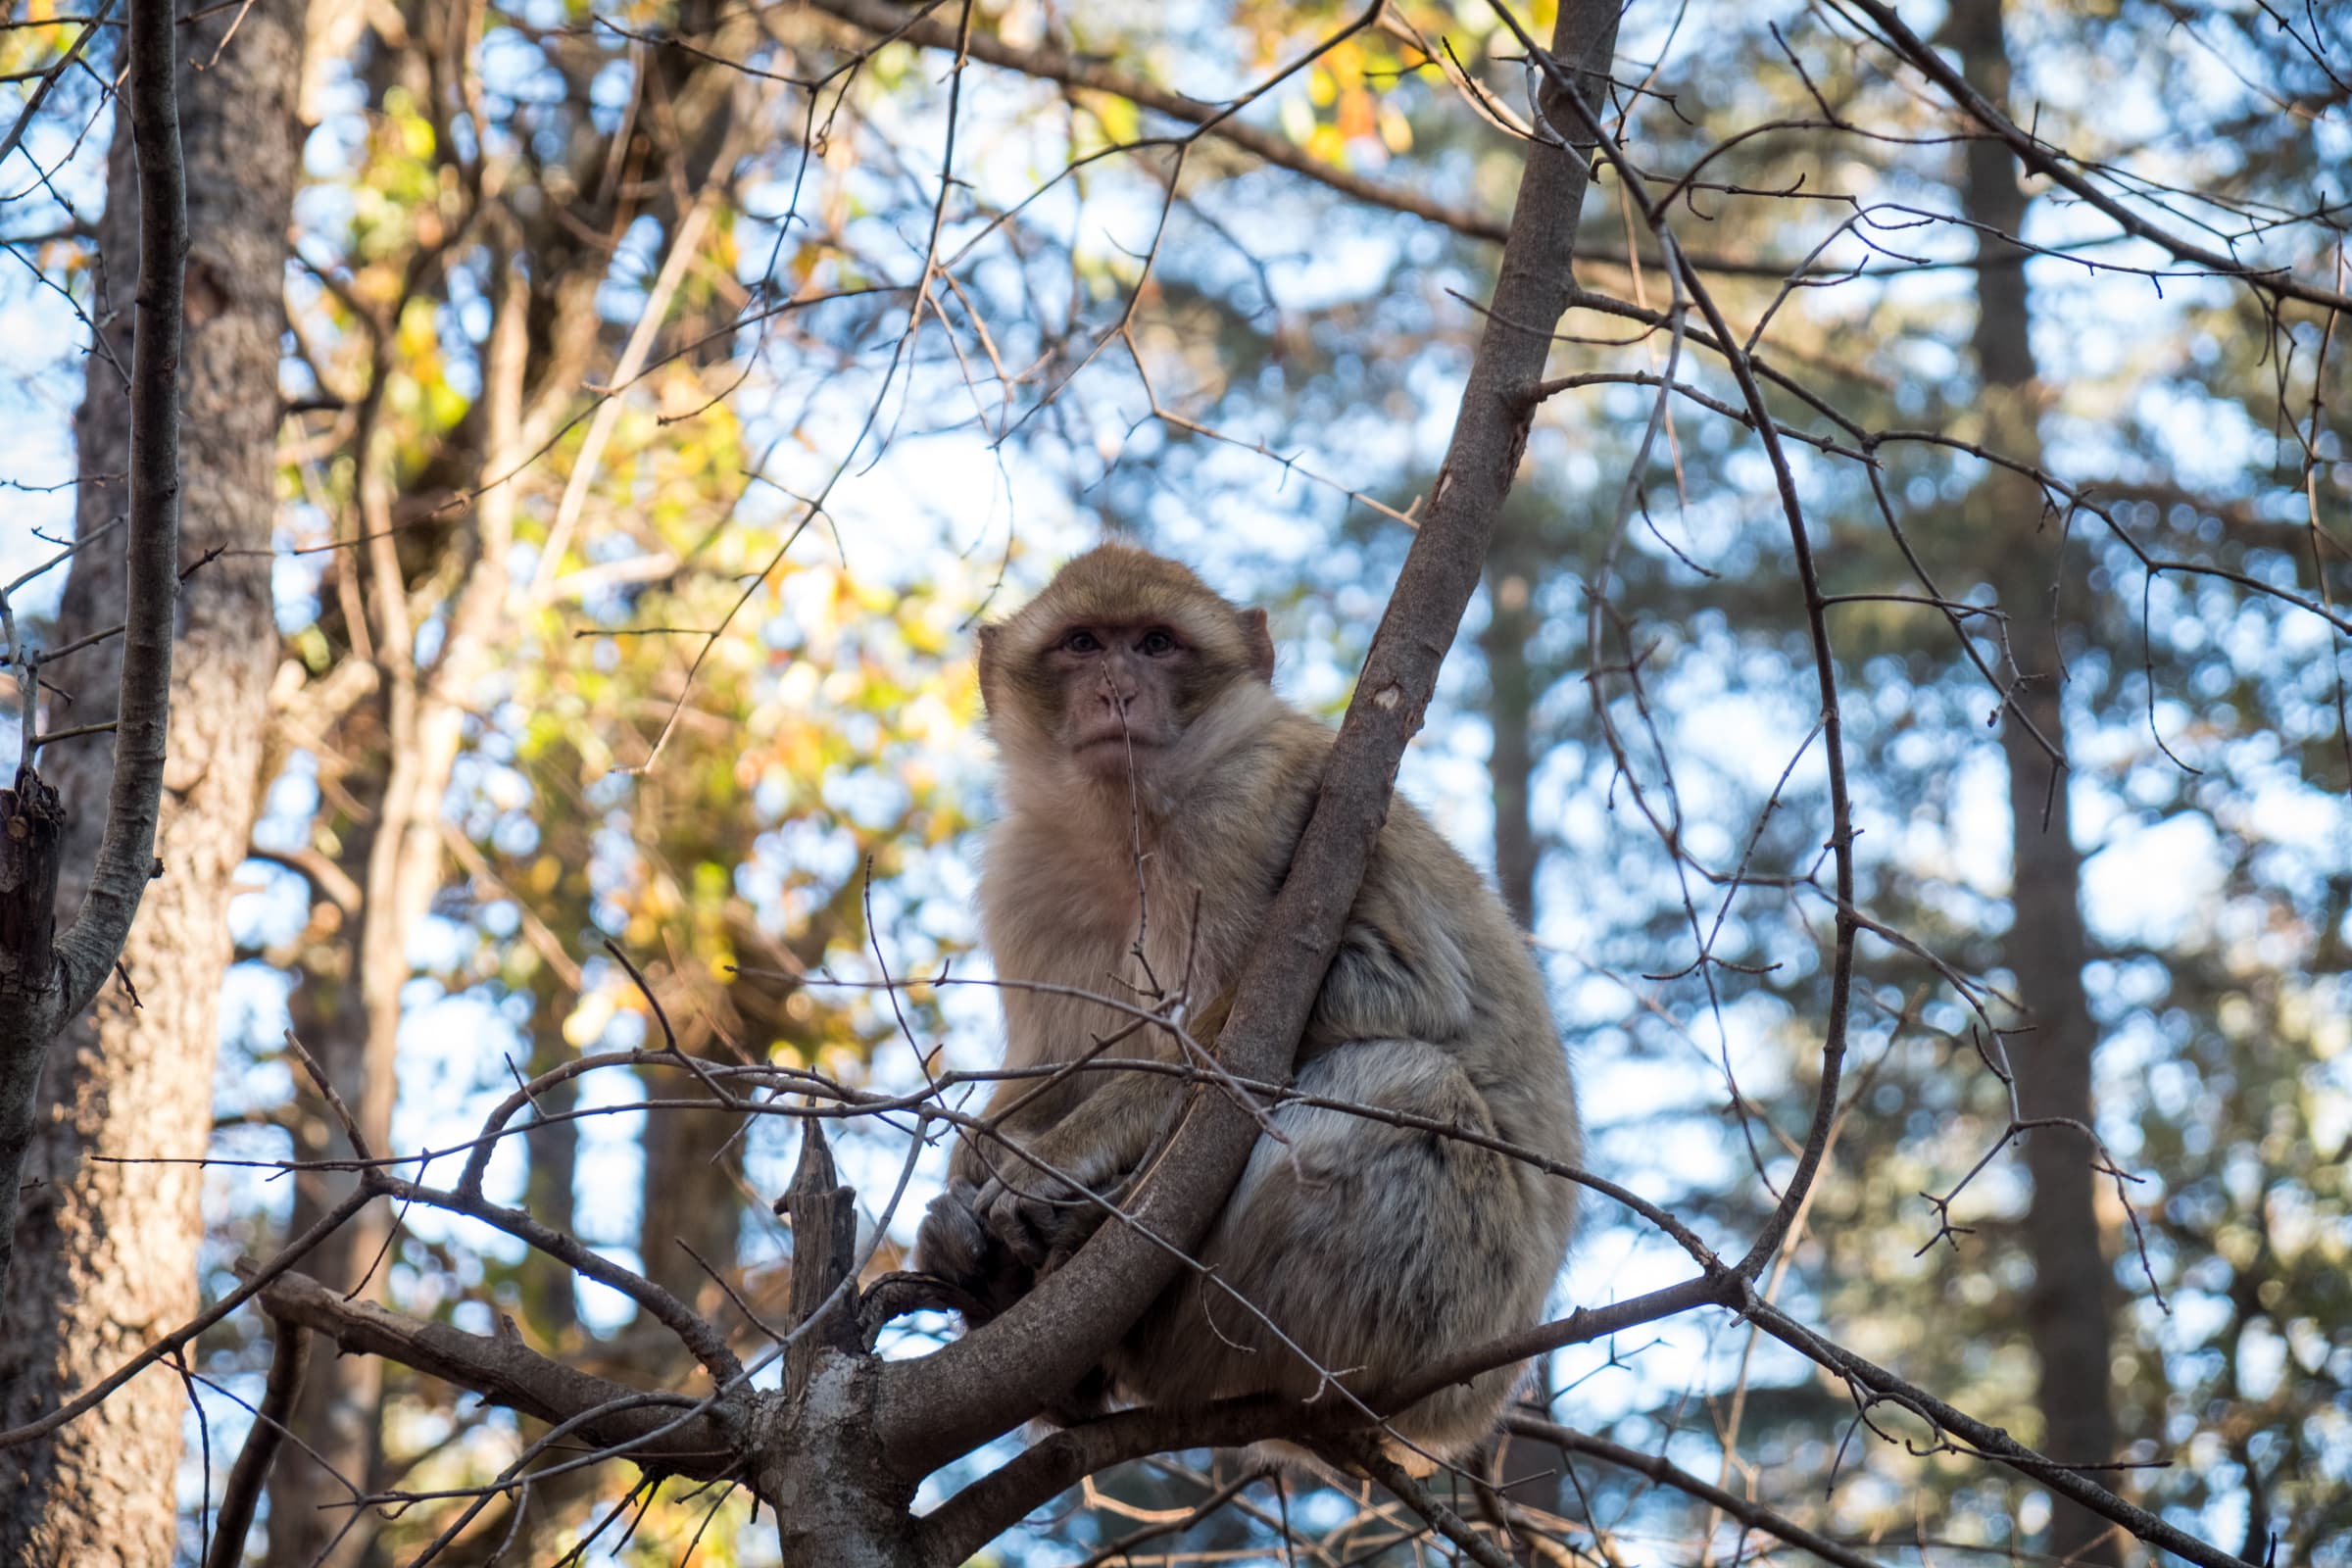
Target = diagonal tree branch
(242,1493)
(506,1371)
(1048,64)
(1045,63)
(1874,1381)
(1657,1467)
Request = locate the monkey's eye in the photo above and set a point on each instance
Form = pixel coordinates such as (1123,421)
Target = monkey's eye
(1082,641)
(1157,642)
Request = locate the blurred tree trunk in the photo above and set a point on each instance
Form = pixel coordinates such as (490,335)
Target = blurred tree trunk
(334,1415)
(399,857)
(550,1306)
(105,1253)
(690,1199)
(1513,566)
(2069,1309)
(1511,625)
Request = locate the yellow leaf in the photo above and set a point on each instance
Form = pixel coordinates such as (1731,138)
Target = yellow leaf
(586,1023)
(1121,123)
(1396,131)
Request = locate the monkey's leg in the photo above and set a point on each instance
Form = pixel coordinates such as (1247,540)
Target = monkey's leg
(1371,1248)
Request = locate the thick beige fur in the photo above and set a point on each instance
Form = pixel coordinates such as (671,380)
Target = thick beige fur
(1373,1249)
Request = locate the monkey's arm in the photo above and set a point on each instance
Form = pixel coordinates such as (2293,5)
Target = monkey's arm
(1042,1206)
(1024,1192)
(955,1240)
(953,1244)
(1003,1218)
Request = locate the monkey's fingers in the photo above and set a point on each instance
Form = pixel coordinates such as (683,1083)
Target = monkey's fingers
(1019,1222)
(1044,1225)
(1034,1221)
(951,1241)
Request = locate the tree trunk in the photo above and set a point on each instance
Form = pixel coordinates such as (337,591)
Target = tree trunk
(549,1305)
(2070,1306)
(689,1196)
(105,1253)
(1511,623)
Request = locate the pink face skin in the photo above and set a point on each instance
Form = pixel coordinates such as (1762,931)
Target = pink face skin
(1123,693)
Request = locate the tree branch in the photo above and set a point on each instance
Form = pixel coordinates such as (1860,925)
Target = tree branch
(250,1287)
(1048,64)
(2038,159)
(127,862)
(1989,1440)
(958,1529)
(1418,1497)
(247,1476)
(508,1372)
(1753,1515)
(1045,64)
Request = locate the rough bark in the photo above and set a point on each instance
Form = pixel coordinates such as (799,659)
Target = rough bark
(2069,1309)
(105,1253)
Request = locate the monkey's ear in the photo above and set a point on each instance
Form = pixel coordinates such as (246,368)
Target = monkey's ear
(1260,642)
(989,656)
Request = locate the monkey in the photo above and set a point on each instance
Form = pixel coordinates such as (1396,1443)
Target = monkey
(1153,789)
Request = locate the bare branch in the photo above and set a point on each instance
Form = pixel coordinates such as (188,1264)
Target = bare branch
(2039,158)
(1665,1472)
(508,1372)
(243,1489)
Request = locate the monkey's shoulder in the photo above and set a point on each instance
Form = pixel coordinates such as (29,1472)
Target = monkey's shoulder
(1429,951)
(1412,863)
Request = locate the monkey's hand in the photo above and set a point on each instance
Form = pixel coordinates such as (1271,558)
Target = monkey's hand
(955,1245)
(1043,1219)
(1050,1189)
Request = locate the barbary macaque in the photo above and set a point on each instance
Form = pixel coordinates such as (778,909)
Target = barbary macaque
(1154,789)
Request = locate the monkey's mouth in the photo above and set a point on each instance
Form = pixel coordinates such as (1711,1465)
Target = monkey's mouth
(1114,746)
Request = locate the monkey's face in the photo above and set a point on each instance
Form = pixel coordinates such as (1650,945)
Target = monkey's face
(1107,677)
(1124,693)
